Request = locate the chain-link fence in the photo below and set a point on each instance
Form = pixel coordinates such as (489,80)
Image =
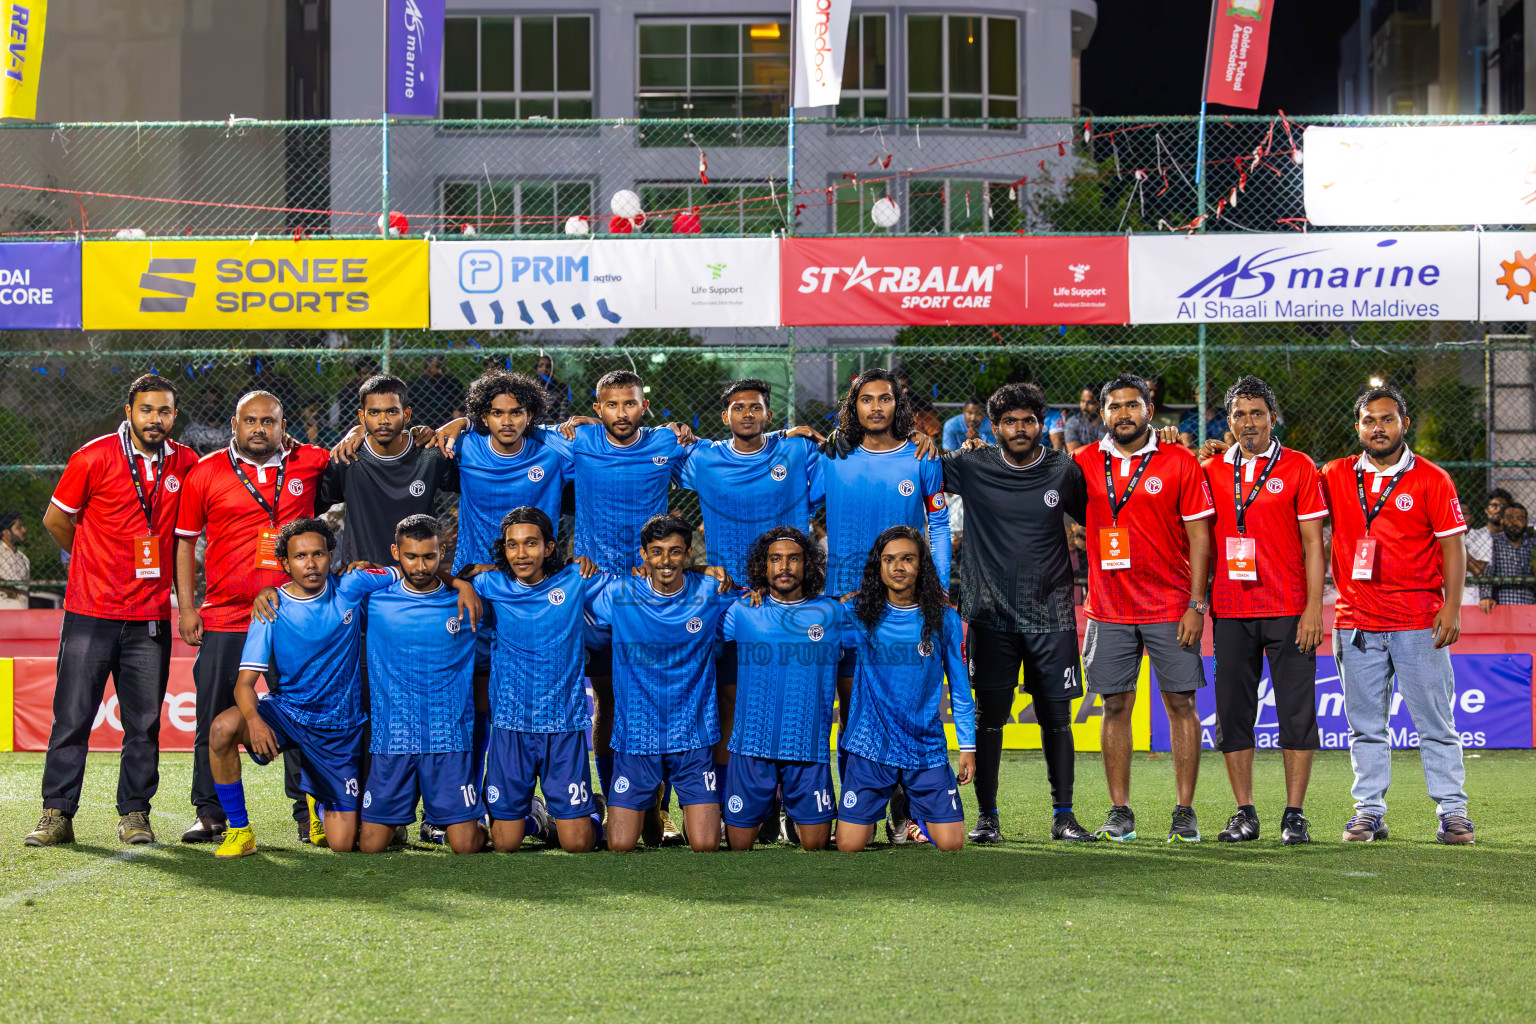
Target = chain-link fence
(1468,385)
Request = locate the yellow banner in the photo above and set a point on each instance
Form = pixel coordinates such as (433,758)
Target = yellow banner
(24,21)
(7,704)
(254,285)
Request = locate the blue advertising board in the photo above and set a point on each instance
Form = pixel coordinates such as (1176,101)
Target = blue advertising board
(39,285)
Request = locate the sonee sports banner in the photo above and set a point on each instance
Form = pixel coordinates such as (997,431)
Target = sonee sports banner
(942,281)
(254,285)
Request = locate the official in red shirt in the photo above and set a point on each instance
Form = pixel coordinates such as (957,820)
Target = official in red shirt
(114,511)
(1399,563)
(1148,552)
(241,495)
(1266,601)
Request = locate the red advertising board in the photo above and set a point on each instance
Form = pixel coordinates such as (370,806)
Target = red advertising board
(1239,50)
(941,281)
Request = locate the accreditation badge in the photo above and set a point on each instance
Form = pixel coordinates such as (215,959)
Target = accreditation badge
(1243,558)
(1115,547)
(146,558)
(266,550)
(1363,566)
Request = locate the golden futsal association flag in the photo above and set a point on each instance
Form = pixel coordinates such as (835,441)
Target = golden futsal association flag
(24,22)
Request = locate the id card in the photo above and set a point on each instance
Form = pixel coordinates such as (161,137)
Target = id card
(266,550)
(1115,547)
(146,558)
(1242,558)
(1364,566)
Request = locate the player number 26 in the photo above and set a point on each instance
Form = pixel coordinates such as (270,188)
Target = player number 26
(578,791)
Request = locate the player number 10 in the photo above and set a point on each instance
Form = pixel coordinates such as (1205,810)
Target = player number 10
(469,794)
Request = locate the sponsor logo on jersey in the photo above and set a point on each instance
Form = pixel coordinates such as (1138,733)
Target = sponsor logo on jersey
(1275,485)
(734,805)
(1052,499)
(452,625)
(621,784)
(815,632)
(1455,504)
(1154,484)
(779,472)
(296,487)
(695,624)
(1404,502)
(557,596)
(492,794)
(535,474)
(906,488)
(418,488)
(172,484)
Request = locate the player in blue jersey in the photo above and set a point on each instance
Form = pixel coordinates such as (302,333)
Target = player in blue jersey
(314,645)
(538,699)
(787,653)
(421,665)
(908,641)
(666,721)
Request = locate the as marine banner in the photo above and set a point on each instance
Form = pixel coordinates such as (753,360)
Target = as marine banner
(254,285)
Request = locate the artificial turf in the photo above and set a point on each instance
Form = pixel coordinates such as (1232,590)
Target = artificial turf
(1405,930)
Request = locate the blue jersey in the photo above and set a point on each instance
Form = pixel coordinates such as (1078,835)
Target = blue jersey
(870,491)
(492,484)
(743,496)
(618,489)
(954,432)
(537,663)
(663,662)
(315,644)
(786,676)
(895,716)
(421,670)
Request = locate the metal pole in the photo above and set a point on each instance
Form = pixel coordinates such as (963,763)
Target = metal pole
(1205,81)
(789,221)
(384,348)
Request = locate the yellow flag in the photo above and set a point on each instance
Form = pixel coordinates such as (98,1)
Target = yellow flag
(23,22)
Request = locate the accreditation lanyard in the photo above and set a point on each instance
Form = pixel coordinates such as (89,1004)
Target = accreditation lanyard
(146,500)
(277,495)
(1386,492)
(1118,503)
(1258,485)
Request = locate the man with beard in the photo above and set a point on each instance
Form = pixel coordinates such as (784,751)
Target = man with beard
(1399,564)
(242,495)
(113,512)
(1016,595)
(1513,553)
(13,564)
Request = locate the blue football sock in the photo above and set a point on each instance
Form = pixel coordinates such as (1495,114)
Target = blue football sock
(480,738)
(597,824)
(1057,810)
(605,772)
(531,827)
(232,799)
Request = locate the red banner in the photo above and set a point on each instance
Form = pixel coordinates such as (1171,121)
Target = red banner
(1239,48)
(940,281)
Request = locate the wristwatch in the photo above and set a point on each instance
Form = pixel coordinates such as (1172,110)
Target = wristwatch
(1200,606)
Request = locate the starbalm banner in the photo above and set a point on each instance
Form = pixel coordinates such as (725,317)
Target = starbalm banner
(1239,49)
(821,33)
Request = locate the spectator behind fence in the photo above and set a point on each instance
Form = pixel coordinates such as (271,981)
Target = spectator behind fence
(13,564)
(1215,425)
(924,416)
(209,429)
(1085,426)
(435,395)
(1480,542)
(1513,554)
(971,422)
(557,404)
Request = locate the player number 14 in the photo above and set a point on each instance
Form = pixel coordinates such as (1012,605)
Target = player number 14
(823,800)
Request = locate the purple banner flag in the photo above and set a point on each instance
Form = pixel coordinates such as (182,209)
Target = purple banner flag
(414,54)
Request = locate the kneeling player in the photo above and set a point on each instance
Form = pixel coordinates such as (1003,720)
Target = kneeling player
(539,716)
(314,644)
(421,666)
(908,639)
(786,656)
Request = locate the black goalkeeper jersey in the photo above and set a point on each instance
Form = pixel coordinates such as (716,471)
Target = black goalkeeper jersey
(1015,566)
(379,492)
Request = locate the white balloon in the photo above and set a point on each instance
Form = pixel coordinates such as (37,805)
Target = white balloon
(577,225)
(467,229)
(885,213)
(625,204)
(131,234)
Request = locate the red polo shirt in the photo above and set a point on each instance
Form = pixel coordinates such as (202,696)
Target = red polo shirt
(214,498)
(1291,494)
(1407,588)
(97,490)
(1171,492)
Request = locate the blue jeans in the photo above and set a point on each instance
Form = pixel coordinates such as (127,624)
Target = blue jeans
(1367,662)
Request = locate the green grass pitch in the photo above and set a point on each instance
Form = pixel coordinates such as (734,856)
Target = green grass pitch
(1401,931)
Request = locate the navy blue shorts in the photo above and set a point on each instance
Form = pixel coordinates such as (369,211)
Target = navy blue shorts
(445,783)
(867,787)
(750,783)
(556,760)
(847,662)
(332,760)
(691,772)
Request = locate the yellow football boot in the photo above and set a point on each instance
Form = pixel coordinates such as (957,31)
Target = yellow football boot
(316,823)
(238,842)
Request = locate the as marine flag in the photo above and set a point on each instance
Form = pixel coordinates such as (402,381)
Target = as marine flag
(24,22)
(1239,48)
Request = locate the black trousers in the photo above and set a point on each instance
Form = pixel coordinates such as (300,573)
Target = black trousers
(90,650)
(214,673)
(1241,647)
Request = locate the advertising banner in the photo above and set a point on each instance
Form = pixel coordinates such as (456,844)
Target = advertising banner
(24,24)
(1429,275)
(942,281)
(605,283)
(415,47)
(1493,707)
(1424,175)
(39,285)
(1506,275)
(1239,50)
(34,680)
(254,285)
(821,33)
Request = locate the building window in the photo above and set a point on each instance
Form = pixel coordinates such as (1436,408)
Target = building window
(723,207)
(715,68)
(515,207)
(962,66)
(865,92)
(517,67)
(956,206)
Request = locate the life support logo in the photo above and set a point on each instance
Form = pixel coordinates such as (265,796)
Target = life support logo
(660,460)
(695,624)
(492,794)
(1052,499)
(1154,485)
(905,488)
(778,472)
(536,474)
(1275,485)
(346,617)
(815,632)
(734,805)
(557,596)
(1404,502)
(621,784)
(368,799)
(296,488)
(453,625)
(925,648)
(418,488)
(850,798)
(172,484)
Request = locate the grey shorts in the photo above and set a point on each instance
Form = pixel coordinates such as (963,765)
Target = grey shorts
(1112,657)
